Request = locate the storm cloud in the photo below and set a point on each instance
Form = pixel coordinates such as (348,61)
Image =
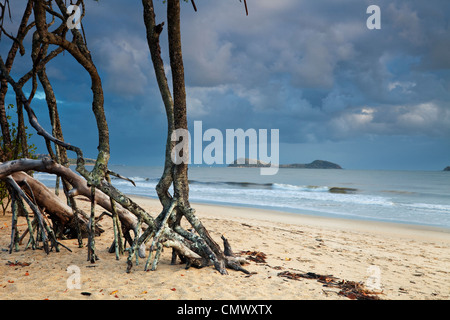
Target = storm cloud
(311,69)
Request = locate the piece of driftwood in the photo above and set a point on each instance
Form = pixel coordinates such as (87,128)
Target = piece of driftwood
(51,204)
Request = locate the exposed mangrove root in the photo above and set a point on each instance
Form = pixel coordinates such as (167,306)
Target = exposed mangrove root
(192,247)
(92,257)
(46,232)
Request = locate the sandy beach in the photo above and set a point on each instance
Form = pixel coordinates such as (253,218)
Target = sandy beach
(402,261)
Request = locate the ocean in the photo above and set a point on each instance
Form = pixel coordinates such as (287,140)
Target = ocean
(409,197)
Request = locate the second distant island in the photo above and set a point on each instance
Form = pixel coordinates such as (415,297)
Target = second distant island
(316,164)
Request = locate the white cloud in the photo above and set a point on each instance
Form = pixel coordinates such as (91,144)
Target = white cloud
(404,86)
(125,60)
(425,117)
(200,100)
(429,119)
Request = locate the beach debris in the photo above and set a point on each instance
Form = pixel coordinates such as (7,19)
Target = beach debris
(276,267)
(356,290)
(350,289)
(250,274)
(402,290)
(17,264)
(114,293)
(308,275)
(85,293)
(255,256)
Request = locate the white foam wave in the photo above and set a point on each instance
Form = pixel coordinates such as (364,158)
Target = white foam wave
(300,188)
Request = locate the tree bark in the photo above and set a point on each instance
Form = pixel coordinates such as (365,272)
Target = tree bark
(181,185)
(153,32)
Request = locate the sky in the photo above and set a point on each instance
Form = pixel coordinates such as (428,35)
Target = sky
(375,99)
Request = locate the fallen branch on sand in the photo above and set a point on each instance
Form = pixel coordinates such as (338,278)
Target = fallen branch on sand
(350,289)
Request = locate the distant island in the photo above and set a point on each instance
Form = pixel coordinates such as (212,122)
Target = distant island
(252,163)
(447,168)
(71,161)
(316,164)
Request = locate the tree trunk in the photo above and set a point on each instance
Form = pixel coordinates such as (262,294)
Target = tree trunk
(6,136)
(153,32)
(180,175)
(178,206)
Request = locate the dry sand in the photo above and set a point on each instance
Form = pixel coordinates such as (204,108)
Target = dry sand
(412,262)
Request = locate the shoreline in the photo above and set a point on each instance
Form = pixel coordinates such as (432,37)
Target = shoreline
(412,263)
(311,219)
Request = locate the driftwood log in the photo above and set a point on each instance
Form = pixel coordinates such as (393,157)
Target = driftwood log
(59,212)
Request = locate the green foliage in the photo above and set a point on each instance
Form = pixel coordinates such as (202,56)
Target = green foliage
(9,152)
